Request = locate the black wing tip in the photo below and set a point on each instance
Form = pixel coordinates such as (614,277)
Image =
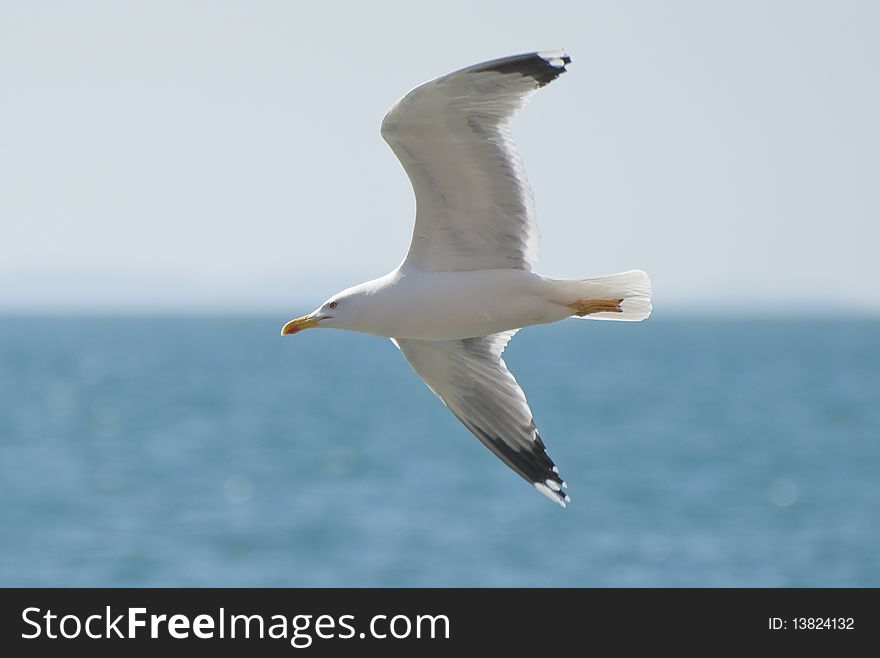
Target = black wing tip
(549,483)
(532,463)
(543,67)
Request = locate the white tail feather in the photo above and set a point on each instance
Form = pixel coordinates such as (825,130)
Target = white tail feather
(633,287)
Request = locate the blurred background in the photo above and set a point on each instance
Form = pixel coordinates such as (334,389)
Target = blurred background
(178,179)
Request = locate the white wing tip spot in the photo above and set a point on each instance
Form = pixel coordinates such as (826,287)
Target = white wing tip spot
(555,57)
(551,494)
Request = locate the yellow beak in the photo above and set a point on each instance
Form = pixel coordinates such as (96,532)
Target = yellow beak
(298,324)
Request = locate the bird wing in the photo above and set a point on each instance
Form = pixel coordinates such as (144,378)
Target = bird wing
(472,380)
(474,207)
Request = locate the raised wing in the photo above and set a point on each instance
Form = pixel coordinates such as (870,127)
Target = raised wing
(472,380)
(474,207)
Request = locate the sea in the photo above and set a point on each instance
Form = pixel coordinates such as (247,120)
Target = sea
(209,451)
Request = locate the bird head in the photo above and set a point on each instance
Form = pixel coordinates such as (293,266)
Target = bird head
(338,311)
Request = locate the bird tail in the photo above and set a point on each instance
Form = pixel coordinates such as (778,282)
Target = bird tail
(624,296)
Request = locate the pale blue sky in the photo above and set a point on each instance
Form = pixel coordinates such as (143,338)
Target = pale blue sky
(225,156)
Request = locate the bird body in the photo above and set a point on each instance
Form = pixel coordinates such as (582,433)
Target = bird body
(467,284)
(413,303)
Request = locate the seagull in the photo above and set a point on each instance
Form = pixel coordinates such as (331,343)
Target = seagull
(467,284)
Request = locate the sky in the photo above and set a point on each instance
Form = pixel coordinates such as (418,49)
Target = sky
(225,156)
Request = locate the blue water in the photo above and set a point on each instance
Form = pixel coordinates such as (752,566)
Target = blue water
(197,452)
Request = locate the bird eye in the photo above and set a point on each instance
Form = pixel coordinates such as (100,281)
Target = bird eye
(332,304)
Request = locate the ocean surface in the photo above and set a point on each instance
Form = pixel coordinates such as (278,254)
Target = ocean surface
(212,452)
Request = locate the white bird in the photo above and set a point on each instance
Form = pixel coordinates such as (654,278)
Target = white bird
(467,286)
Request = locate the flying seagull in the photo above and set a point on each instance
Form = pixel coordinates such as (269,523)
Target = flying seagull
(467,284)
